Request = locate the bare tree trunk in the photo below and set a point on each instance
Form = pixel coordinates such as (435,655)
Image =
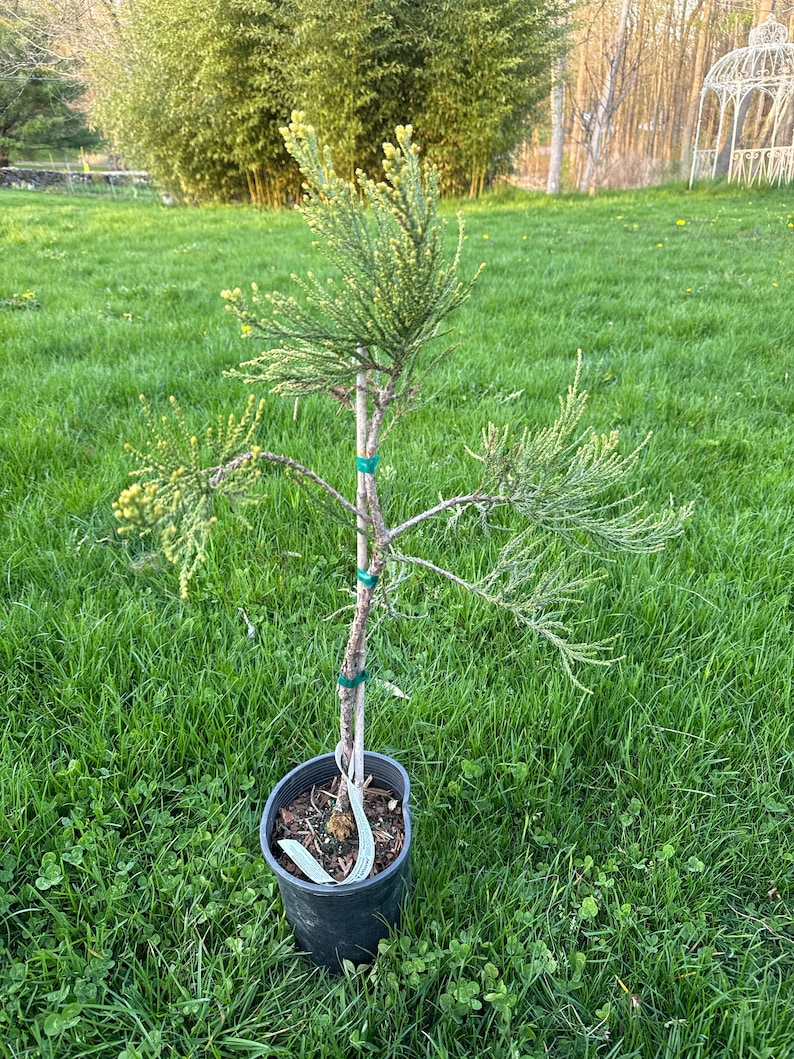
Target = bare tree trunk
(679,90)
(639,102)
(370,564)
(362,559)
(557,129)
(723,166)
(599,122)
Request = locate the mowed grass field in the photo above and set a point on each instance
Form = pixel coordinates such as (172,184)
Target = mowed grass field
(595,875)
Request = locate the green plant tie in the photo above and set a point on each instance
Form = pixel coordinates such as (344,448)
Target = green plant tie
(354,683)
(367,579)
(367,464)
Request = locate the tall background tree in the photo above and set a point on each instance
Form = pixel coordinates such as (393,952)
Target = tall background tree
(600,118)
(557,144)
(352,74)
(197,96)
(484,71)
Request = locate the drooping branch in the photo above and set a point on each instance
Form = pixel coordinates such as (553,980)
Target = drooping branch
(572,484)
(534,597)
(413,560)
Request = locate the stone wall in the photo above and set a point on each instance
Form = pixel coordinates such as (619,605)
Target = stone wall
(43,179)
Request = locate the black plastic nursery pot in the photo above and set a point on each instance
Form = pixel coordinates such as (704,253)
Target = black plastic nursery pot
(335,923)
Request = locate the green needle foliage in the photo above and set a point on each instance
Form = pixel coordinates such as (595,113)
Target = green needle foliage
(566,482)
(484,74)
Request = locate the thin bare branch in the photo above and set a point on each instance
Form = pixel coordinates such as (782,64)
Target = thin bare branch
(219,473)
(466,500)
(413,560)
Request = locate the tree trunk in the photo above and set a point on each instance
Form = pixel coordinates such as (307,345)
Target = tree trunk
(557,129)
(734,136)
(599,122)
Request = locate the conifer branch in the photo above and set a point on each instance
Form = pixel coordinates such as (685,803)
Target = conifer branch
(396,283)
(566,482)
(534,596)
(414,560)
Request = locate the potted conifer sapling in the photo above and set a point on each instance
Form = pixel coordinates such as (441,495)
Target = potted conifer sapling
(361,337)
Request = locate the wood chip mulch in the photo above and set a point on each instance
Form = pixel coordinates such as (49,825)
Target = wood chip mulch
(305,820)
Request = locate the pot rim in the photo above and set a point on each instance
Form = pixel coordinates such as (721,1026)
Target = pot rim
(340,890)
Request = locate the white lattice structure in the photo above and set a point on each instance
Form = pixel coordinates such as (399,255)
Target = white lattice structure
(762,73)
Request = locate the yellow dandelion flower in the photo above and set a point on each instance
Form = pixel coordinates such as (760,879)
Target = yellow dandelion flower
(680,223)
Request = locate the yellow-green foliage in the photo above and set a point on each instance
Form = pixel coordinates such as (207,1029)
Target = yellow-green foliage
(195,92)
(175,503)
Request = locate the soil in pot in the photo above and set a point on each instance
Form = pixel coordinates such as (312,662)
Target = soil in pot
(306,819)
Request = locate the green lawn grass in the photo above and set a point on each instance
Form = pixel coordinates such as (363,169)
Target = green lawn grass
(605,875)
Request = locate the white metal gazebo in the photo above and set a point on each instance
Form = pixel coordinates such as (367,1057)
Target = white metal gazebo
(755,82)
